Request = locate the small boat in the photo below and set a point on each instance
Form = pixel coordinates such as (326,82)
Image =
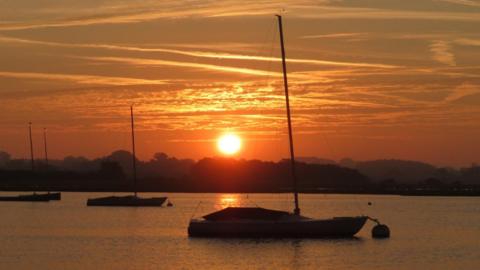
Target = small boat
(26,198)
(261,222)
(34,197)
(129,200)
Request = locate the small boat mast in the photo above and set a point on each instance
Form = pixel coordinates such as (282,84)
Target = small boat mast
(129,200)
(45,145)
(31,145)
(296,210)
(133,154)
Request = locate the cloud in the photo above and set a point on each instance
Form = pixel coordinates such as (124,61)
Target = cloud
(468,3)
(468,41)
(158,62)
(150,11)
(458,38)
(82,79)
(336,12)
(336,35)
(442,52)
(462,91)
(202,54)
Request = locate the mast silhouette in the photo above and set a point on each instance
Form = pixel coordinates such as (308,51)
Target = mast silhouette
(45,145)
(296,210)
(133,154)
(31,145)
(129,200)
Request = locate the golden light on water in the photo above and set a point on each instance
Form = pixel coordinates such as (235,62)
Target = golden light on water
(229,144)
(229,200)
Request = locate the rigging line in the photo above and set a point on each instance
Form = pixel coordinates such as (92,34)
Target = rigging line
(268,46)
(285,197)
(247,198)
(260,52)
(264,44)
(356,200)
(25,154)
(330,148)
(273,31)
(328,145)
(195,210)
(270,55)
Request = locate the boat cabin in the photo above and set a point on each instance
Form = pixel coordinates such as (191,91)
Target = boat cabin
(249,213)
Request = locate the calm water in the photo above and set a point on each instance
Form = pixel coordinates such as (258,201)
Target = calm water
(427,233)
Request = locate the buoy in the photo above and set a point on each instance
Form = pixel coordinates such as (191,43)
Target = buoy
(380,231)
(369,203)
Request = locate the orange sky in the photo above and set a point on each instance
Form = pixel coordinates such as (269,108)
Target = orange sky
(369,79)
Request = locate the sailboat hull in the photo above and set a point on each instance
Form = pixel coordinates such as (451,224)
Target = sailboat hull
(26,198)
(338,227)
(126,201)
(54,196)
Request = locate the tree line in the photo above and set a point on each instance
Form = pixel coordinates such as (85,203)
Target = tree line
(164,173)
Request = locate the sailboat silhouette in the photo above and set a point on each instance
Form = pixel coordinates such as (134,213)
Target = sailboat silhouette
(129,200)
(34,197)
(261,222)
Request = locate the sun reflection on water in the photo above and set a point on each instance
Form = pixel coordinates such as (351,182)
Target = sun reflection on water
(228,200)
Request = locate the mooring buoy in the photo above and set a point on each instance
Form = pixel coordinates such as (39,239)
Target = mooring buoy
(380,231)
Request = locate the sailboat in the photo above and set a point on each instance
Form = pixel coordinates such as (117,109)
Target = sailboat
(34,197)
(54,196)
(261,222)
(130,200)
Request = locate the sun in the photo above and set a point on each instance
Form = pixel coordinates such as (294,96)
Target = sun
(229,144)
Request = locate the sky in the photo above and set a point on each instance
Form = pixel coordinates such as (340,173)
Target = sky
(369,79)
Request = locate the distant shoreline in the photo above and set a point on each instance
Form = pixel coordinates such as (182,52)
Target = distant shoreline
(426,193)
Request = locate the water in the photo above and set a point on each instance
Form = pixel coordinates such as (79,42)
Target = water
(427,233)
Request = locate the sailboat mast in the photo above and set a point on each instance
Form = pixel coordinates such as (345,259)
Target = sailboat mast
(290,135)
(45,145)
(31,145)
(133,154)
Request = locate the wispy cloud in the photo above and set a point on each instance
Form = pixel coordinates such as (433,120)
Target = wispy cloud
(468,41)
(458,38)
(148,11)
(337,12)
(336,35)
(442,52)
(82,79)
(469,3)
(461,91)
(202,54)
(158,62)
(153,11)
